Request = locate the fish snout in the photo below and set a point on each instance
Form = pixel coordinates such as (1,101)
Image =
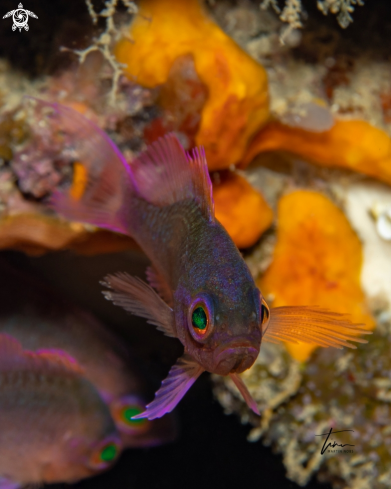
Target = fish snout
(235,358)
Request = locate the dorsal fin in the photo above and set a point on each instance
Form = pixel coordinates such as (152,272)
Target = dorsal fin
(166,174)
(13,357)
(61,359)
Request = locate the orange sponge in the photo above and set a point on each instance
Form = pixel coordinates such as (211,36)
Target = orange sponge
(241,209)
(352,144)
(237,104)
(317,261)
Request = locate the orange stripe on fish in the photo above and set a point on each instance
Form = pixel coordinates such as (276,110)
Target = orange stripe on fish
(79,181)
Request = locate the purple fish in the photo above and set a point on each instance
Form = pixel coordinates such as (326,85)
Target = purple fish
(40,320)
(54,426)
(207,296)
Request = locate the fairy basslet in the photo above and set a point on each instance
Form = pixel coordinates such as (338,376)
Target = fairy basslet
(54,425)
(42,320)
(208,298)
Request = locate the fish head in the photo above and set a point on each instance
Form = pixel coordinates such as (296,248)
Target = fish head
(222,319)
(78,457)
(140,432)
(91,442)
(104,453)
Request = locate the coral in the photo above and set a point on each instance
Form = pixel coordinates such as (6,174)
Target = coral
(292,11)
(343,9)
(317,261)
(241,209)
(351,144)
(337,389)
(237,104)
(34,161)
(103,43)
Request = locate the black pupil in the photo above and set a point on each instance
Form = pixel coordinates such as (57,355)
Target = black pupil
(264,313)
(199,319)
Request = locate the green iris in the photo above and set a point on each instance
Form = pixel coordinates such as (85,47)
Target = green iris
(109,453)
(131,411)
(199,319)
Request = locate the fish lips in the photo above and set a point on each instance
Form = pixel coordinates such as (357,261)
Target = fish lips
(235,357)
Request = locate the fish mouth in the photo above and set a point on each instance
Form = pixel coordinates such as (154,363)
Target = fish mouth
(235,357)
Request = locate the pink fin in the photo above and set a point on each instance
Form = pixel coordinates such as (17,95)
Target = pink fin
(179,380)
(245,393)
(107,181)
(61,358)
(139,298)
(312,325)
(156,281)
(165,174)
(13,357)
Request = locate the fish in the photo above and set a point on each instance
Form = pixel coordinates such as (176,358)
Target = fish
(200,289)
(54,426)
(42,320)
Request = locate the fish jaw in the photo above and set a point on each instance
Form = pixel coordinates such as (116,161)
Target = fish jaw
(235,357)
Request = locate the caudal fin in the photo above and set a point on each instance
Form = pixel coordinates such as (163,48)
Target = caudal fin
(102,180)
(104,184)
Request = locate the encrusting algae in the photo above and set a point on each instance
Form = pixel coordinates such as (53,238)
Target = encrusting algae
(317,261)
(237,104)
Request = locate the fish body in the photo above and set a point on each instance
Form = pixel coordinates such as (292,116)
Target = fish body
(54,426)
(184,246)
(42,320)
(208,298)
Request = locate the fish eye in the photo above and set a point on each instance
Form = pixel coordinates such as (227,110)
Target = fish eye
(109,453)
(200,319)
(105,454)
(123,411)
(265,313)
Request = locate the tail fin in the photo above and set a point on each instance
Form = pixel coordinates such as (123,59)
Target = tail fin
(102,182)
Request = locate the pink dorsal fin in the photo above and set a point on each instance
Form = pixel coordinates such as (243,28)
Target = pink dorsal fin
(14,357)
(61,359)
(312,325)
(179,380)
(139,298)
(11,353)
(156,281)
(166,174)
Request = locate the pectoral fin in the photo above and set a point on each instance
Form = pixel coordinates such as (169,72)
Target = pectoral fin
(179,380)
(312,325)
(245,393)
(139,298)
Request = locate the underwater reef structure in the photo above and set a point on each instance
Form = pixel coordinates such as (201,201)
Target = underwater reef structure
(297,136)
(316,261)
